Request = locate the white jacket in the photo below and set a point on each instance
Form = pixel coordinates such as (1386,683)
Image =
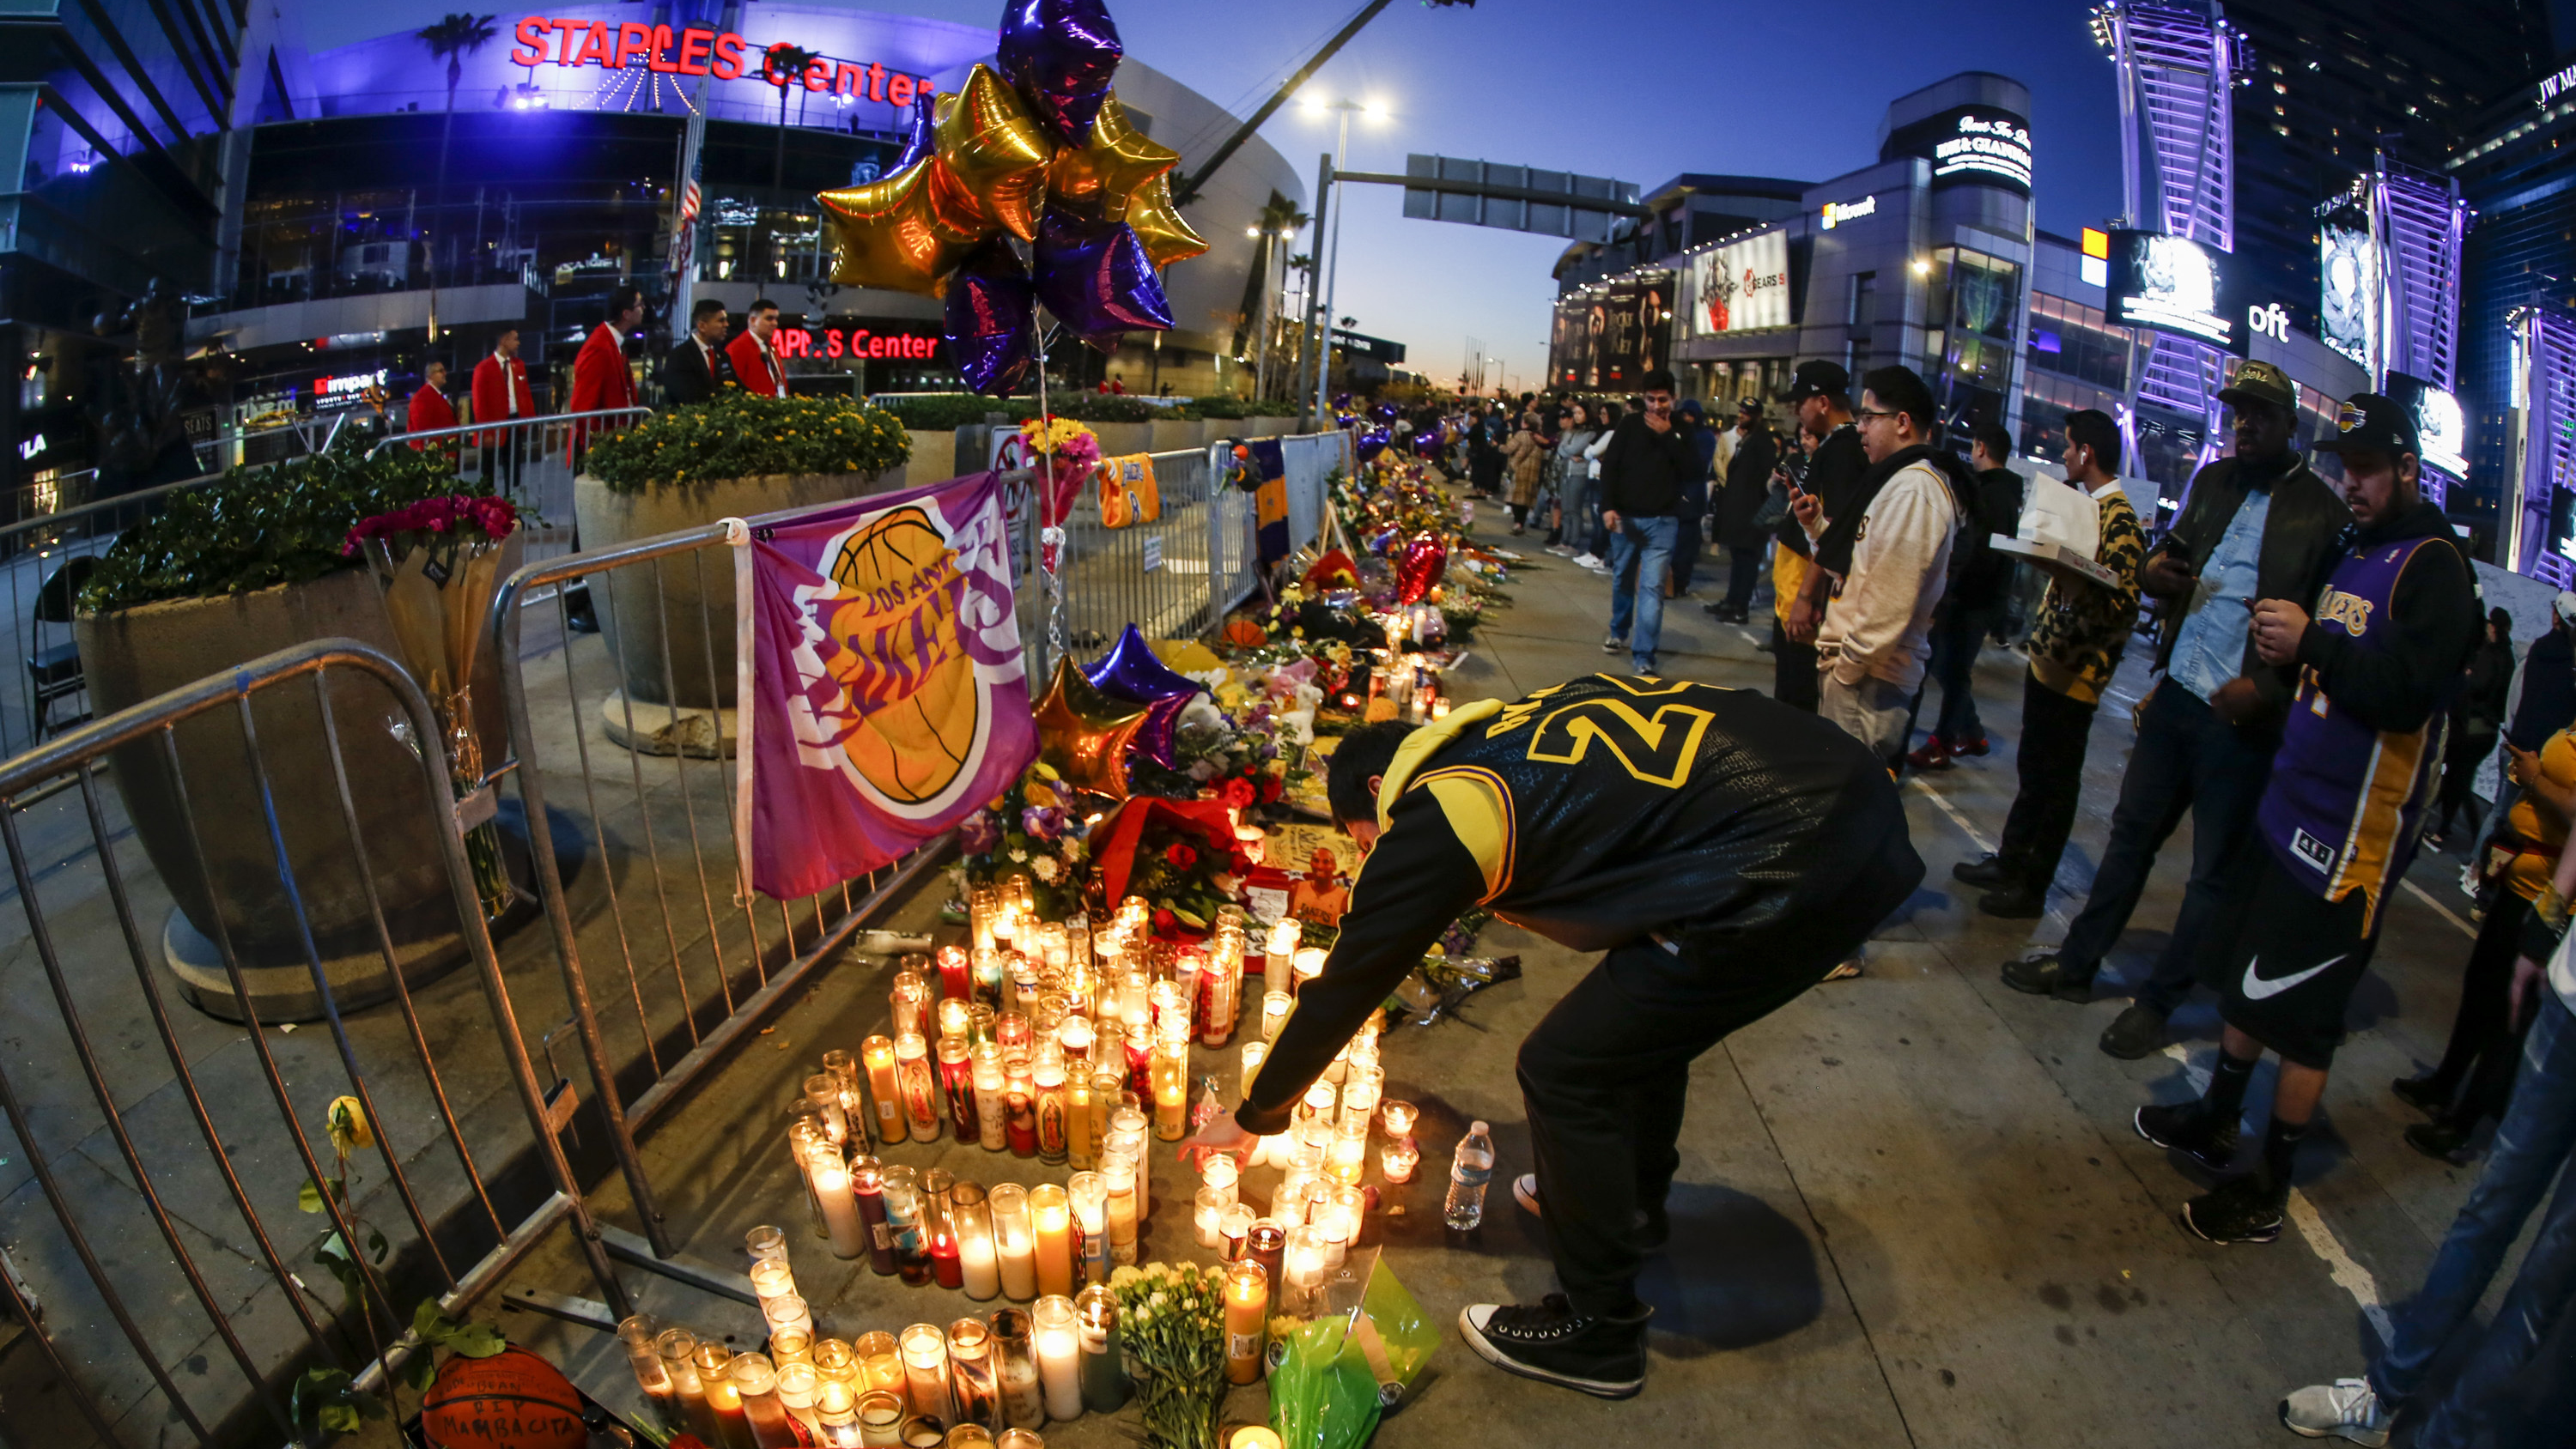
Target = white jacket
(1592,455)
(1880,620)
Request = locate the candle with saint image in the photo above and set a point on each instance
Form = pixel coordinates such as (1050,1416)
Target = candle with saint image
(830,1179)
(1019,1102)
(867,1183)
(823,1089)
(1015,1240)
(1118,1174)
(925,1369)
(877,1055)
(977,1263)
(1232,1229)
(1277,961)
(1051,1208)
(1059,1346)
(1078,1140)
(954,983)
(957,1080)
(902,1187)
(1088,1197)
(921,1101)
(1104,1372)
(1021,1392)
(992,1118)
(1247,1302)
(1048,1077)
(971,1383)
(797,1383)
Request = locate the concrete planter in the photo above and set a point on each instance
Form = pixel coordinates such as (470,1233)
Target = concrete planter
(1266,427)
(692,607)
(131,655)
(1171,435)
(1119,439)
(934,459)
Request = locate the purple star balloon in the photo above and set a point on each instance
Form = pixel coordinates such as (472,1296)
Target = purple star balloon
(1094,276)
(1060,55)
(1372,443)
(1131,674)
(991,323)
(919,139)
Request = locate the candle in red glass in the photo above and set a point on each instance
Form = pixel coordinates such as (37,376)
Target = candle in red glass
(956,980)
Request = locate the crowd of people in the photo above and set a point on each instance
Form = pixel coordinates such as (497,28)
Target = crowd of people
(2326,679)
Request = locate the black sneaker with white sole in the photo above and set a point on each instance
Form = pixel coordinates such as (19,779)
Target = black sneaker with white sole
(1550,1342)
(1654,1228)
(2187,1128)
(2242,1211)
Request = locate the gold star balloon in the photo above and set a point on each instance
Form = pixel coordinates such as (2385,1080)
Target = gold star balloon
(1102,174)
(1084,735)
(990,163)
(1158,225)
(888,236)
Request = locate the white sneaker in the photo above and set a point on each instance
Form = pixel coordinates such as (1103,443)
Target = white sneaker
(2345,1409)
(1525,1191)
(1587,561)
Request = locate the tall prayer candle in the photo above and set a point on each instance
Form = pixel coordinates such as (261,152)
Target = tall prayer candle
(904,1224)
(991,1118)
(1078,1150)
(876,1362)
(957,1079)
(976,1262)
(1232,1229)
(1277,964)
(797,1383)
(867,1182)
(1015,1369)
(1104,1371)
(1059,1346)
(836,1418)
(877,1054)
(881,1417)
(1224,999)
(1247,1303)
(1171,1089)
(954,982)
(755,1380)
(830,1179)
(921,1102)
(771,1278)
(1274,1013)
(724,1401)
(1267,1244)
(1050,1206)
(823,1089)
(1088,1193)
(1207,1215)
(1015,1239)
(679,1350)
(788,1313)
(970,1373)
(1119,1175)
(911,1001)
(1131,1121)
(834,1359)
(925,1369)
(636,1335)
(1309,964)
(939,1233)
(1048,1075)
(791,1345)
(1219,1170)
(766,1241)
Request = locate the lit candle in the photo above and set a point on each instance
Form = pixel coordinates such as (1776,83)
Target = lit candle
(991,1118)
(1398,1159)
(1224,997)
(1052,1209)
(877,1053)
(797,1383)
(911,1002)
(954,983)
(1305,1260)
(867,1182)
(836,1420)
(1015,1370)
(1273,1151)
(1346,1158)
(788,1313)
(679,1350)
(1232,1229)
(1399,1118)
(902,1187)
(1119,1176)
(755,1381)
(956,1016)
(1059,1345)
(1276,962)
(823,1089)
(1254,1436)
(1247,1302)
(976,1262)
(1131,1122)
(1218,1170)
(939,1233)
(1088,1193)
(771,1278)
(1267,1244)
(957,1079)
(766,1241)
(970,1370)
(1015,1240)
(1171,1088)
(1274,1013)
(925,1369)
(1077,1112)
(724,1401)
(1310,964)
(636,1334)
(921,1100)
(1104,1374)
(834,1359)
(1048,1076)
(1108,1085)
(830,1179)
(790,1346)
(1254,1052)
(875,1362)
(1207,1214)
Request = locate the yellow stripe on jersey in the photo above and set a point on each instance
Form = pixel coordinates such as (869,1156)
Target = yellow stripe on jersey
(1478,807)
(2396,775)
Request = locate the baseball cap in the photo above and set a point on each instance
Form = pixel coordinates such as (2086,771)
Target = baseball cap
(1819,378)
(2258,381)
(2564,606)
(2369,422)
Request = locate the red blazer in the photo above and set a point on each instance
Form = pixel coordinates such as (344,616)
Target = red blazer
(492,393)
(430,411)
(751,365)
(599,381)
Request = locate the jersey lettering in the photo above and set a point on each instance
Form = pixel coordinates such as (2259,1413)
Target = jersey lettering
(1657,750)
(2350,611)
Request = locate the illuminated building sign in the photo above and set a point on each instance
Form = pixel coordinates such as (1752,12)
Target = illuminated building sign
(2173,284)
(2440,428)
(348,384)
(856,342)
(1966,145)
(1838,212)
(693,50)
(2554,86)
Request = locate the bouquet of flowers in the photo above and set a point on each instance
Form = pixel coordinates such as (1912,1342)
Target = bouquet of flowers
(1180,855)
(1035,829)
(1227,752)
(438,562)
(1171,1322)
(1068,450)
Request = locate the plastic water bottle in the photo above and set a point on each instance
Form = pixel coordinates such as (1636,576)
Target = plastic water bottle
(1469,1171)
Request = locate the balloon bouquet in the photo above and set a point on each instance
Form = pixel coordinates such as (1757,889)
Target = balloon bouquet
(1024,188)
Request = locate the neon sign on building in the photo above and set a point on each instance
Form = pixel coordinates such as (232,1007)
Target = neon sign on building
(692,51)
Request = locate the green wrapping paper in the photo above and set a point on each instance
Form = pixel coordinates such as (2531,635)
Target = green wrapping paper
(1340,1372)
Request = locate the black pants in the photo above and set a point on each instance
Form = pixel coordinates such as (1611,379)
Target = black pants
(1793,670)
(2055,730)
(2486,1043)
(2186,759)
(1743,576)
(2459,771)
(1957,638)
(501,464)
(1686,550)
(1606,1075)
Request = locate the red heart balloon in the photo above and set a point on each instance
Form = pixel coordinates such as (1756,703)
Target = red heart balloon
(1424,560)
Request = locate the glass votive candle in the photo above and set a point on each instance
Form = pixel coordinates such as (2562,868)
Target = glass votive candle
(834,1360)
(1016,1382)
(1398,1118)
(925,1369)
(1398,1159)
(971,1384)
(836,1416)
(636,1335)
(1207,1215)
(771,1278)
(1360,1096)
(723,1400)
(679,1350)
(1231,1230)
(1059,1355)
(880,1418)
(1309,962)
(1219,1170)
(876,1361)
(968,1436)
(1275,1006)
(790,1345)
(767,1242)
(1015,1241)
(789,1311)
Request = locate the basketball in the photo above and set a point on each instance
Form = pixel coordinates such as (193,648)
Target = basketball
(512,1400)
(922,700)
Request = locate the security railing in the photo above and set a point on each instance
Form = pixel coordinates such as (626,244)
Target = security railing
(274,826)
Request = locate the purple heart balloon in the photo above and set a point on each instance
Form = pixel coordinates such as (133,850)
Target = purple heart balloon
(1094,276)
(920,137)
(1372,443)
(1059,55)
(991,327)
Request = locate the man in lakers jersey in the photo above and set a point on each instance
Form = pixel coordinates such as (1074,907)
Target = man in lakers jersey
(1725,850)
(2359,759)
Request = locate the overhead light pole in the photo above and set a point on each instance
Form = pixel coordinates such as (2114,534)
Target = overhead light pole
(1320,298)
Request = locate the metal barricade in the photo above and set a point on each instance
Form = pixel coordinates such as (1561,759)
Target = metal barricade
(165,1264)
(530,461)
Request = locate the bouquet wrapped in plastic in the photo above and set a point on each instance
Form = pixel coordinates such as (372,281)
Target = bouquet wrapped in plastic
(1350,1364)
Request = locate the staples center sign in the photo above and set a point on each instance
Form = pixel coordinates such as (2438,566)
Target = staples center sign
(855,342)
(692,50)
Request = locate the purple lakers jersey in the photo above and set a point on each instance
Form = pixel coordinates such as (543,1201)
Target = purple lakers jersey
(2346,801)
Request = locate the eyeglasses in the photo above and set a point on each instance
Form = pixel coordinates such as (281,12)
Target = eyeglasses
(1865,415)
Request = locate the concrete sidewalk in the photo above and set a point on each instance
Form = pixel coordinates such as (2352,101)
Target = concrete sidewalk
(1911,1211)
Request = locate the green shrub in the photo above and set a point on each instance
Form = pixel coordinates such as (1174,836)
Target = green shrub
(737,435)
(1220,407)
(945,411)
(1270,408)
(277,525)
(1103,407)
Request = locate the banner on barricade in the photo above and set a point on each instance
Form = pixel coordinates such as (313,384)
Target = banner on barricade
(887,696)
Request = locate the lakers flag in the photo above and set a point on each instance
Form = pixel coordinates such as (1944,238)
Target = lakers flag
(1270,500)
(888,697)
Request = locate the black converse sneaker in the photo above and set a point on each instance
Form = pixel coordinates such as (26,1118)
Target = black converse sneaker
(2241,1211)
(1550,1342)
(2187,1128)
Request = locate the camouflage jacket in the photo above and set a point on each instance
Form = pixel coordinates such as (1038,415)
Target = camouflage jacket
(2075,645)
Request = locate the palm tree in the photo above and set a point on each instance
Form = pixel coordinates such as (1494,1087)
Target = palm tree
(783,65)
(451,40)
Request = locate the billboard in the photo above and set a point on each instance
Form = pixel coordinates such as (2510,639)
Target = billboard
(1741,286)
(2440,427)
(1630,339)
(2174,285)
(1986,145)
(2348,301)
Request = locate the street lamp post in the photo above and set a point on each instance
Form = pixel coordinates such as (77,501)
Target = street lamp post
(1319,323)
